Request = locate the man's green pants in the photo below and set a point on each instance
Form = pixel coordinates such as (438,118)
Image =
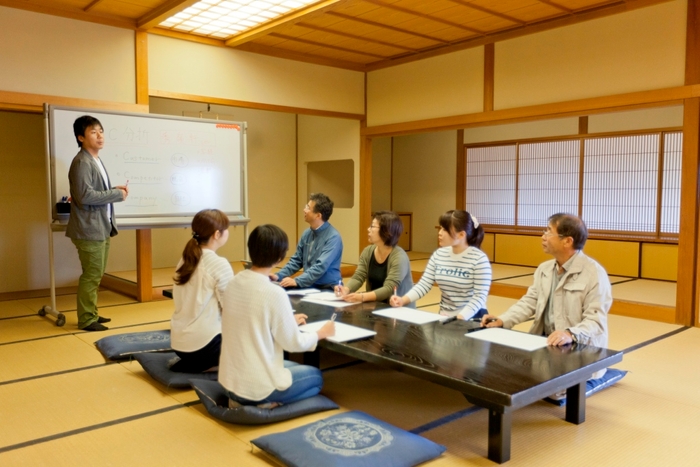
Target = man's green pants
(93,259)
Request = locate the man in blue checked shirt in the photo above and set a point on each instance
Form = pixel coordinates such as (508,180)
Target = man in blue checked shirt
(318,252)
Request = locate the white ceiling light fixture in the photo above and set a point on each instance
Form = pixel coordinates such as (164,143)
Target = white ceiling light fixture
(223,19)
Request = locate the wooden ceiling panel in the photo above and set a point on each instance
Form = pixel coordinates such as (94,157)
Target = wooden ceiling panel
(493,24)
(355,8)
(536,13)
(428,7)
(358,34)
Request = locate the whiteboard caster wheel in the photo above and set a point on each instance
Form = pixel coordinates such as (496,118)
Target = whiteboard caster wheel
(60,320)
(42,312)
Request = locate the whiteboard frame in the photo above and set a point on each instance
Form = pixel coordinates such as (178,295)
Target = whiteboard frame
(145,220)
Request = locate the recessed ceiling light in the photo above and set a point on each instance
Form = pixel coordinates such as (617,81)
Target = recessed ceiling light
(226,18)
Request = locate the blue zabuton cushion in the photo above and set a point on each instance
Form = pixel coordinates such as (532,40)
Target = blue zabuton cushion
(124,346)
(215,399)
(352,439)
(157,366)
(610,377)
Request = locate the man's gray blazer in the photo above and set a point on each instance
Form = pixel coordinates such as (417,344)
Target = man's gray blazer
(88,213)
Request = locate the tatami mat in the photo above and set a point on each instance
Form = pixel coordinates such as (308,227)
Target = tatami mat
(667,370)
(68,407)
(55,404)
(646,291)
(180,437)
(45,356)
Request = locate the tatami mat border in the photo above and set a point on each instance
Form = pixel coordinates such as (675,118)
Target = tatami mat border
(655,339)
(83,332)
(98,426)
(55,373)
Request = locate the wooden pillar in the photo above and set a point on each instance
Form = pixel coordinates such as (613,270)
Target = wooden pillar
(461,188)
(489,67)
(365,188)
(144,250)
(687,297)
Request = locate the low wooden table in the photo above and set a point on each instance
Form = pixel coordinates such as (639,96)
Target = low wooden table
(496,377)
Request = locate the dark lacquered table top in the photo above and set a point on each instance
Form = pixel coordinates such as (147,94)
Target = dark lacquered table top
(486,373)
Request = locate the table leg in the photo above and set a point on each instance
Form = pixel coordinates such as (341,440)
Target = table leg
(499,436)
(576,403)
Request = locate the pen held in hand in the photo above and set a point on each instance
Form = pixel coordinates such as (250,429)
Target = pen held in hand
(334,316)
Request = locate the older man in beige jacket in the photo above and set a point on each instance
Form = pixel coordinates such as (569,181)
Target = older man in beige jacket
(571,295)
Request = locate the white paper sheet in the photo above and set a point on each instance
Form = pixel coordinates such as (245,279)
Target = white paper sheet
(519,340)
(328,296)
(302,291)
(343,332)
(410,315)
(338,304)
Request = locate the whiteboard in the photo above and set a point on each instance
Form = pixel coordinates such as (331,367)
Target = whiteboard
(175,166)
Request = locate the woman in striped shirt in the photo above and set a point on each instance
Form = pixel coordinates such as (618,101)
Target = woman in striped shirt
(459,267)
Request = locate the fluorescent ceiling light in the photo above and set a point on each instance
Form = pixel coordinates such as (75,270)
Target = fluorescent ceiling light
(224,19)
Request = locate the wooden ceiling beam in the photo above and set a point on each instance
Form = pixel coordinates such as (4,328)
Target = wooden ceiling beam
(489,12)
(300,57)
(408,11)
(355,36)
(390,28)
(163,12)
(327,46)
(91,5)
(557,6)
(284,21)
(72,13)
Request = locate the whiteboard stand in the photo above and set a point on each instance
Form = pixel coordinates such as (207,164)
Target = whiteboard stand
(50,309)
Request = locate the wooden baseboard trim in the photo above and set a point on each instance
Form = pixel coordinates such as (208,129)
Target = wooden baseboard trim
(664,314)
(39,293)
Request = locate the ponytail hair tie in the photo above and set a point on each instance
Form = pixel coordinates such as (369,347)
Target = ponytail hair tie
(475,222)
(195,235)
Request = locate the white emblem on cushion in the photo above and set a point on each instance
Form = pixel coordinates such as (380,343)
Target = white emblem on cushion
(348,437)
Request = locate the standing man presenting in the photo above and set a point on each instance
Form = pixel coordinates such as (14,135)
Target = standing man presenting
(318,252)
(91,222)
(571,294)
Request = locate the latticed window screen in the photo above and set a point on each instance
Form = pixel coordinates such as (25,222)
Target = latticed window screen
(619,193)
(491,175)
(671,190)
(547,180)
(620,181)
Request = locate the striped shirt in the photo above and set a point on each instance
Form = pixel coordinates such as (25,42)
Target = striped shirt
(464,280)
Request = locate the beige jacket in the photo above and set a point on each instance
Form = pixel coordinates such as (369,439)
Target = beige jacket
(582,300)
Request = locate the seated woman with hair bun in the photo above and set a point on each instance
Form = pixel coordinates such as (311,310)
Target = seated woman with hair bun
(459,267)
(383,265)
(200,280)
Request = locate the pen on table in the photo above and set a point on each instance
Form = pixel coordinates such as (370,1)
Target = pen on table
(449,320)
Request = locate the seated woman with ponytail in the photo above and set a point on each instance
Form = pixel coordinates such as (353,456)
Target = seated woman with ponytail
(459,267)
(200,280)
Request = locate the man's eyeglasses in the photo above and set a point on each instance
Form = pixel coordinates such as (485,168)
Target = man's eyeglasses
(547,233)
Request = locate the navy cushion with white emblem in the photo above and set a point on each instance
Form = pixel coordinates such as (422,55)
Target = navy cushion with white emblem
(349,439)
(125,346)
